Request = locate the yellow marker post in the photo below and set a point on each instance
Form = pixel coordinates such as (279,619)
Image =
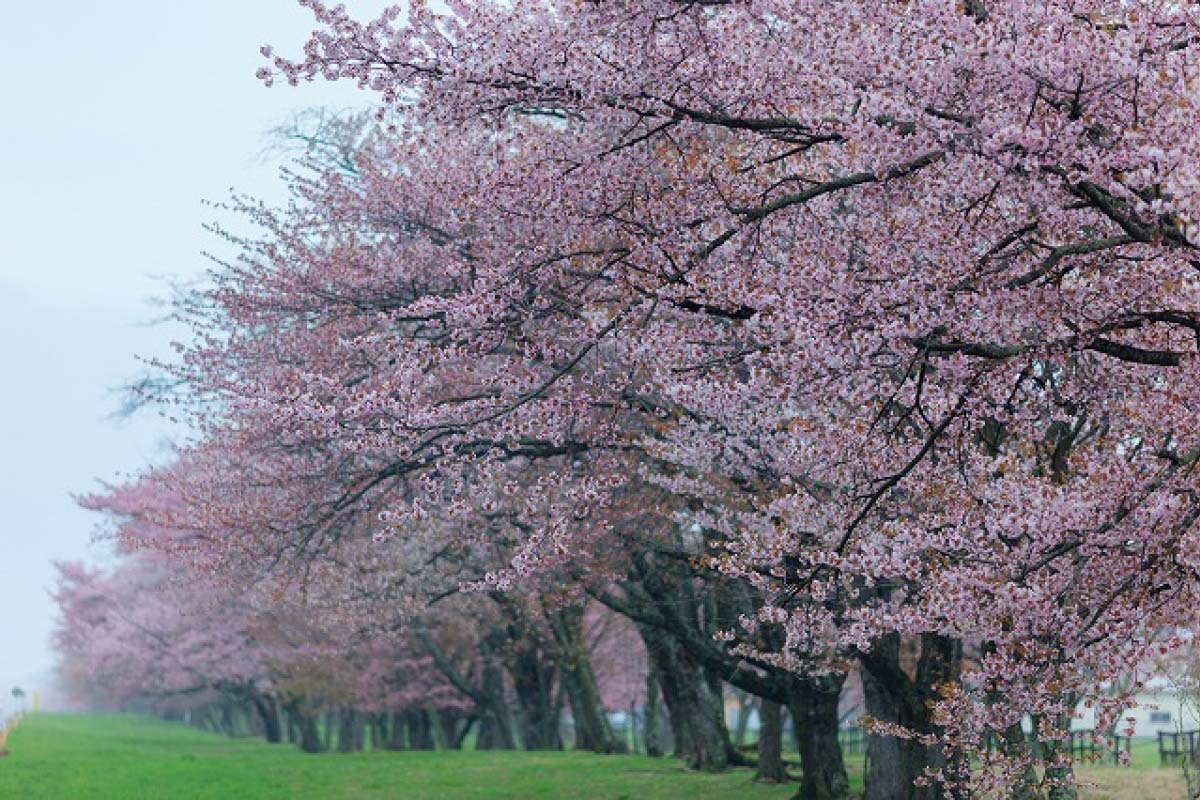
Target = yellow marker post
(36,701)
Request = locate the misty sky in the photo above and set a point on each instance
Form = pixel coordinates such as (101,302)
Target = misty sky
(118,119)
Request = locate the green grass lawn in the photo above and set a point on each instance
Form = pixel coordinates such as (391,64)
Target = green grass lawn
(60,756)
(63,757)
(1143,779)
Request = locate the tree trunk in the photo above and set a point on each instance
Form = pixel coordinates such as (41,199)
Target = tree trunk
(310,736)
(1016,747)
(268,712)
(346,738)
(496,728)
(592,729)
(420,732)
(895,766)
(375,726)
(330,728)
(680,735)
(228,723)
(438,730)
(813,703)
(716,700)
(394,739)
(770,743)
(455,726)
(1060,780)
(652,713)
(700,738)
(533,680)
(495,732)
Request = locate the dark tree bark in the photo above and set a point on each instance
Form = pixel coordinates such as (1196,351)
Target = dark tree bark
(306,726)
(650,726)
(813,704)
(1016,747)
(531,663)
(226,722)
(895,766)
(330,728)
(360,732)
(700,739)
(770,743)
(289,725)
(533,679)
(592,729)
(378,723)
(1061,780)
(310,737)
(394,736)
(716,700)
(661,599)
(441,739)
(349,723)
(454,725)
(420,730)
(268,712)
(496,729)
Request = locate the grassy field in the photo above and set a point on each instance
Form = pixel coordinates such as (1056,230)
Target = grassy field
(57,757)
(122,758)
(1144,779)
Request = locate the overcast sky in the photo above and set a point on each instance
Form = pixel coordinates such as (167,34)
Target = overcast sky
(119,119)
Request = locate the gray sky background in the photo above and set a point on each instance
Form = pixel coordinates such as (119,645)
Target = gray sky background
(119,119)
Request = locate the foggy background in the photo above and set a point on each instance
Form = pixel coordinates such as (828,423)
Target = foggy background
(117,121)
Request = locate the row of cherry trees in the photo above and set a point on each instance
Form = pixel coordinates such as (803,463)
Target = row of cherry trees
(377,635)
(337,654)
(149,637)
(805,336)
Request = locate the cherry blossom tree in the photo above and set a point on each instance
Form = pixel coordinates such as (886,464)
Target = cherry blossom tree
(920,279)
(881,320)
